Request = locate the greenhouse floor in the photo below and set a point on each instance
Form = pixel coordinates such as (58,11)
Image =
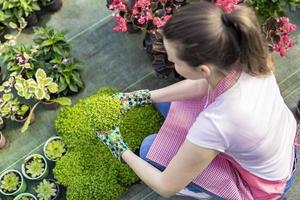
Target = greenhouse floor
(118,60)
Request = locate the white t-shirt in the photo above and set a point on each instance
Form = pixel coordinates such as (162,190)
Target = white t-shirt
(251,123)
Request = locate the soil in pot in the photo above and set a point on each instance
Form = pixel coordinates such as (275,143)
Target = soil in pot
(35,167)
(12,183)
(53,6)
(21,119)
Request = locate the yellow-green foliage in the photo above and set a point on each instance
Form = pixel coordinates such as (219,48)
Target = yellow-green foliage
(88,169)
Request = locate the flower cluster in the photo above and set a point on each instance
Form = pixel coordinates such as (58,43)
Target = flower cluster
(148,15)
(227,5)
(284,30)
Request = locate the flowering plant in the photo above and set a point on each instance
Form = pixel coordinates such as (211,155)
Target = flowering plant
(148,15)
(278,33)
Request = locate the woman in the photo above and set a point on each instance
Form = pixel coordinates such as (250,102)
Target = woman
(243,130)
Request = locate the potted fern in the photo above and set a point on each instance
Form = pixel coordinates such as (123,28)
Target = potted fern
(35,167)
(25,196)
(54,148)
(12,183)
(47,190)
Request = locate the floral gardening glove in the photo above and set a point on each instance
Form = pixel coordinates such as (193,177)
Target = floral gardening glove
(114,140)
(136,98)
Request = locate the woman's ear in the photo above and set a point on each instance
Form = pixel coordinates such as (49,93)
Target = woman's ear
(205,70)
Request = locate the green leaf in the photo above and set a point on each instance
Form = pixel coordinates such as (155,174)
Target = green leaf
(64,101)
(53,87)
(12,25)
(27,122)
(40,93)
(47,43)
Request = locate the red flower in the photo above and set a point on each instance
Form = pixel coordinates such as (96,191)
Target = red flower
(161,22)
(122,27)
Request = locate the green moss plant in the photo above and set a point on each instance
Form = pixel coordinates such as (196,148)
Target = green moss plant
(88,169)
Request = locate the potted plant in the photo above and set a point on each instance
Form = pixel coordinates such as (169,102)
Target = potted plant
(22,114)
(39,89)
(35,167)
(54,53)
(47,190)
(3,141)
(17,11)
(54,148)
(51,5)
(12,183)
(19,60)
(25,196)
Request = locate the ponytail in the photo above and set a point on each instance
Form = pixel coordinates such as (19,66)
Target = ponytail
(254,55)
(205,34)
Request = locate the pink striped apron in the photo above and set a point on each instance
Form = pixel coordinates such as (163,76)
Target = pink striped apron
(223,177)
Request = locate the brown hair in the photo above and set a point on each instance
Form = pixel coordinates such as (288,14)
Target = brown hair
(205,34)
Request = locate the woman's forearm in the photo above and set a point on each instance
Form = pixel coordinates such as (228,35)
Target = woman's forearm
(147,173)
(183,90)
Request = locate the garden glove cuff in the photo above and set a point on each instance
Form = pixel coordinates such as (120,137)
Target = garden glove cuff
(136,98)
(114,140)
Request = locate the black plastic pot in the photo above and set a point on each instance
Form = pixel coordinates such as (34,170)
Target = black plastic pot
(3,33)
(53,6)
(32,20)
(297,112)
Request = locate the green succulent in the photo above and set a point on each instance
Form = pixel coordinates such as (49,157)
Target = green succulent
(35,167)
(10,182)
(26,198)
(55,149)
(45,190)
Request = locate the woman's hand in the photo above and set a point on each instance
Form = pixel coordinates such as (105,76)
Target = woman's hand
(114,141)
(136,98)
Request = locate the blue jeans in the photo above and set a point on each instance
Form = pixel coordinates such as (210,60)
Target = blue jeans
(147,142)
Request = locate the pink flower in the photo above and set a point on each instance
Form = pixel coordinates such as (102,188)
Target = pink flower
(168,9)
(227,5)
(161,22)
(283,45)
(163,1)
(287,27)
(284,30)
(118,5)
(121,27)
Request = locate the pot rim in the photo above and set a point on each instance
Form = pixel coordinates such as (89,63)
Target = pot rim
(46,144)
(27,159)
(25,193)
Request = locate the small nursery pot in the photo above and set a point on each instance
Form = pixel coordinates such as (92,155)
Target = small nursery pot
(50,105)
(45,147)
(43,175)
(3,141)
(298,110)
(32,20)
(22,188)
(2,126)
(32,120)
(28,195)
(53,6)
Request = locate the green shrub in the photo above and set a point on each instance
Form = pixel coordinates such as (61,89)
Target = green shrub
(88,170)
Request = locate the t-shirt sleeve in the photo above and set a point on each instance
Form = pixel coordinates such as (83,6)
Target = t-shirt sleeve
(205,132)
